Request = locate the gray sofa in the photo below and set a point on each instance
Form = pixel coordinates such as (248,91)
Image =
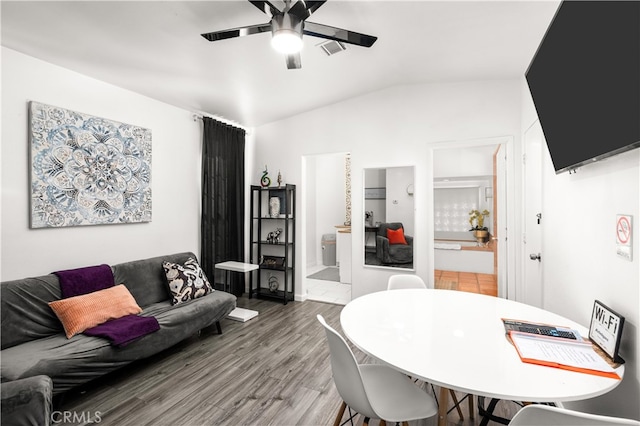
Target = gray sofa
(33,340)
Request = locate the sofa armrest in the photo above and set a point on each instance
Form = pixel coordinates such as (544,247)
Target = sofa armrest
(382,248)
(27,401)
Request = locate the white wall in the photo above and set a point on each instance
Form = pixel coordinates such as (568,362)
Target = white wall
(392,127)
(375,178)
(400,206)
(309,196)
(330,197)
(467,161)
(175,173)
(579,255)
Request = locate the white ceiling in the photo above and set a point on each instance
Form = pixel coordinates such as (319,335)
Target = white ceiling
(155,48)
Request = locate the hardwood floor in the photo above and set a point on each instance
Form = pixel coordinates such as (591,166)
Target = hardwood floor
(271,370)
(466,281)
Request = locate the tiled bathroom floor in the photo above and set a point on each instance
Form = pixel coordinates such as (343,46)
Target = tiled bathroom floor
(326,291)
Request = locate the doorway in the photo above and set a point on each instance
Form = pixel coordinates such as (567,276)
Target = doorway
(470,178)
(327,209)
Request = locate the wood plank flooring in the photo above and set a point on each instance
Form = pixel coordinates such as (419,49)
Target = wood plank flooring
(271,370)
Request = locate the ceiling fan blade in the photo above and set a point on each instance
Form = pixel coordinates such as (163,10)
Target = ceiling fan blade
(312,6)
(338,34)
(303,9)
(266,7)
(237,32)
(293,61)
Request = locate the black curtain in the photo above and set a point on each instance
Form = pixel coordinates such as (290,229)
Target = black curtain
(222,223)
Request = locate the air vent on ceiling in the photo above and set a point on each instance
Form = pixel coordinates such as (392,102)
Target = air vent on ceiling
(331,47)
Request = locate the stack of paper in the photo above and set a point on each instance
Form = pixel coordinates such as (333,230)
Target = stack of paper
(561,353)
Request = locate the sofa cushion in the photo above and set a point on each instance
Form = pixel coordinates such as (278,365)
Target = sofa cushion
(401,253)
(88,310)
(145,278)
(25,312)
(186,282)
(72,362)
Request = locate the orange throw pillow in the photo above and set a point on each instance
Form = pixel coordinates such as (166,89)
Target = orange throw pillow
(79,313)
(396,236)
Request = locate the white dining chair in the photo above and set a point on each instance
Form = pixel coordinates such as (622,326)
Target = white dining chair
(545,415)
(401,281)
(406,281)
(374,390)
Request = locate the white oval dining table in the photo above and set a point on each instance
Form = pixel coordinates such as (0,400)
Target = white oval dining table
(456,340)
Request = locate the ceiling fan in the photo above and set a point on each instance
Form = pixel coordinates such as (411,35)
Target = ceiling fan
(288,26)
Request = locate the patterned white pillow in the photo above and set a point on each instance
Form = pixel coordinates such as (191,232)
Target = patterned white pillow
(186,282)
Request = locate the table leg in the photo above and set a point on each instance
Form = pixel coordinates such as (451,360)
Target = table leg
(442,408)
(456,403)
(471,409)
(488,413)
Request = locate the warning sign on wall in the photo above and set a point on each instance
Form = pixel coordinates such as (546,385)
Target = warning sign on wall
(624,231)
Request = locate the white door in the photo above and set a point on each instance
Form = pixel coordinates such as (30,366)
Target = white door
(530,290)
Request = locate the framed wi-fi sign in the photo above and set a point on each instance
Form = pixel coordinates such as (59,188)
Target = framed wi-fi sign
(605,330)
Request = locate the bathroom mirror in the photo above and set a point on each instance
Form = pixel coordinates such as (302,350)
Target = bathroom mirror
(389,219)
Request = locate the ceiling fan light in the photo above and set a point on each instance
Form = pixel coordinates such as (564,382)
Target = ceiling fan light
(286,41)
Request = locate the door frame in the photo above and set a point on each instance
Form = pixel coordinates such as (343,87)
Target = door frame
(530,289)
(506,266)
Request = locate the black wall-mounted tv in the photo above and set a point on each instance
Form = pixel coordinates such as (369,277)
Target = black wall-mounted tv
(585,81)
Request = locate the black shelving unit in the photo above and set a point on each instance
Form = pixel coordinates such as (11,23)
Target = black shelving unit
(277,259)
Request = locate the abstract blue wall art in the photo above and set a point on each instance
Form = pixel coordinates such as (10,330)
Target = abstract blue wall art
(87,170)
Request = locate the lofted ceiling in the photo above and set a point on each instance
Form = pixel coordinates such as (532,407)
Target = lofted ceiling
(154,48)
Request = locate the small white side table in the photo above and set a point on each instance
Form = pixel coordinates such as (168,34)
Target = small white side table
(238,314)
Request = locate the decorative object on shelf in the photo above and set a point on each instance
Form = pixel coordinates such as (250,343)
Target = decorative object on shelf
(87,170)
(279,179)
(476,220)
(273,237)
(273,284)
(274,206)
(273,261)
(368,218)
(265,181)
(285,207)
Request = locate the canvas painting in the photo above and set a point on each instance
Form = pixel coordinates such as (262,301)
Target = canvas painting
(87,170)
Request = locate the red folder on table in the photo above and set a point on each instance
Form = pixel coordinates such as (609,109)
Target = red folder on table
(561,353)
